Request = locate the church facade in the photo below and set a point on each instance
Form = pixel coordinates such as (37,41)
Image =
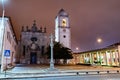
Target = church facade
(34,41)
(32,44)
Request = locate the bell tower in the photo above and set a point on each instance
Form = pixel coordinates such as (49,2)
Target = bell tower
(62,29)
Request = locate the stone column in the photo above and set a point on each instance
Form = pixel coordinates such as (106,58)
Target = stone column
(97,56)
(84,57)
(116,57)
(119,55)
(92,58)
(116,63)
(111,58)
(106,57)
(100,58)
(91,61)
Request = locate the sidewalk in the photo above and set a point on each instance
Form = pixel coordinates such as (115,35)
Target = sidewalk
(42,71)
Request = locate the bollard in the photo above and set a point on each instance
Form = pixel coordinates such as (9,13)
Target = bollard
(98,72)
(86,72)
(117,71)
(77,73)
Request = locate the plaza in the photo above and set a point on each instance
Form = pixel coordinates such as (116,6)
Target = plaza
(35,71)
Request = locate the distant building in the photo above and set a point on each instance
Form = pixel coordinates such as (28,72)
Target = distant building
(8,44)
(109,56)
(32,44)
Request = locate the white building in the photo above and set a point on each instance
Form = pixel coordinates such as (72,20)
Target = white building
(62,29)
(8,44)
(108,56)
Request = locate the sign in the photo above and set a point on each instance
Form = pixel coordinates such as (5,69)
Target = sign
(7,53)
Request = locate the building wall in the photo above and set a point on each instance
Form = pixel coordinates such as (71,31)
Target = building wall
(107,56)
(33,44)
(9,43)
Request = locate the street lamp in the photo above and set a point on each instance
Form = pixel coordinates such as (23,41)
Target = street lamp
(2,27)
(77,49)
(99,40)
(3,12)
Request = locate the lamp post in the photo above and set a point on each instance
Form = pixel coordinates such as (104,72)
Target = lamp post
(99,40)
(2,36)
(3,13)
(77,49)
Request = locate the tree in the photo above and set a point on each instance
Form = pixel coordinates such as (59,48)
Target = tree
(60,52)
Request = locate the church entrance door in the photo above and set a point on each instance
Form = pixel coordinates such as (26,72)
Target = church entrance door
(33,58)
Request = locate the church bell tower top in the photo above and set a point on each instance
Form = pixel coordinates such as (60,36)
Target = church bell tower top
(34,27)
(62,12)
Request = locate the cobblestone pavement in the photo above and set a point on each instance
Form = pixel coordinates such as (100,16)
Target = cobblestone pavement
(40,68)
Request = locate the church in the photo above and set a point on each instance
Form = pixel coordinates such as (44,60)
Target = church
(33,42)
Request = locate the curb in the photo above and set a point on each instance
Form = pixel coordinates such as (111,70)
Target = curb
(58,74)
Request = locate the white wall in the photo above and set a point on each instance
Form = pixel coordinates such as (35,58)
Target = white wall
(9,44)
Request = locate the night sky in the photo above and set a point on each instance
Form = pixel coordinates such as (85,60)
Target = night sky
(89,19)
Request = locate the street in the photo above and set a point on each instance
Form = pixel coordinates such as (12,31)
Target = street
(82,77)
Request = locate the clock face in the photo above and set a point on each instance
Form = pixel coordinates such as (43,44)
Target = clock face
(64,22)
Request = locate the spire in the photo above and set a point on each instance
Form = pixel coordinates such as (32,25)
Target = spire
(34,27)
(44,29)
(22,28)
(62,12)
(26,28)
(34,24)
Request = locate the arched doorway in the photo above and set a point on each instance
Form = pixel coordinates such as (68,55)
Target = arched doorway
(33,58)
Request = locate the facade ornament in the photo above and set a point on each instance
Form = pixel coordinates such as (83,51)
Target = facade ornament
(45,30)
(34,27)
(22,28)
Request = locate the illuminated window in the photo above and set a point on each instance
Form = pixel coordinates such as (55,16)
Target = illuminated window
(63,22)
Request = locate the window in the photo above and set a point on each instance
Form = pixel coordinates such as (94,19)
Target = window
(64,36)
(9,37)
(23,50)
(64,22)
(42,51)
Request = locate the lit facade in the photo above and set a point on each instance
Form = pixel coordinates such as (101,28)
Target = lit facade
(109,56)
(62,29)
